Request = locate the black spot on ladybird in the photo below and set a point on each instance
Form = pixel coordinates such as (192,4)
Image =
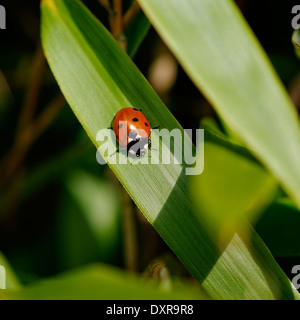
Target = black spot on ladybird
(135,119)
(146,124)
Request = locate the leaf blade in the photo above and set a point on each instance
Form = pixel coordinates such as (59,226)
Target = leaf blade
(97,78)
(97,282)
(225,60)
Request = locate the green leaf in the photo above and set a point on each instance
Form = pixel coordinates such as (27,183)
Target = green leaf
(230,189)
(220,53)
(234,185)
(98,79)
(279,228)
(136,32)
(90,208)
(98,282)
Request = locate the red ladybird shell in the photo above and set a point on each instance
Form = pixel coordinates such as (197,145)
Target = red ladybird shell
(128,120)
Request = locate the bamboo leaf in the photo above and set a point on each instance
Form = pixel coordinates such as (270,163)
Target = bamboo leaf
(220,53)
(95,282)
(231,189)
(279,228)
(98,79)
(136,32)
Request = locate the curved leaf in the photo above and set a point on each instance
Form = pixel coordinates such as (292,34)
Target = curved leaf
(95,282)
(220,53)
(97,79)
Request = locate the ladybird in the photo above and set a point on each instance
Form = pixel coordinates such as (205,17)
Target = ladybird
(132,130)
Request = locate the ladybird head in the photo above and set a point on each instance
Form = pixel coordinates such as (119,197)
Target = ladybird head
(137,148)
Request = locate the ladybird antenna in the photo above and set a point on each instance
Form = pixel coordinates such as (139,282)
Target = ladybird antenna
(117,151)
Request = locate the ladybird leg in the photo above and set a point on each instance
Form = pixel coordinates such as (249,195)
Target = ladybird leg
(111,127)
(117,151)
(150,145)
(133,160)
